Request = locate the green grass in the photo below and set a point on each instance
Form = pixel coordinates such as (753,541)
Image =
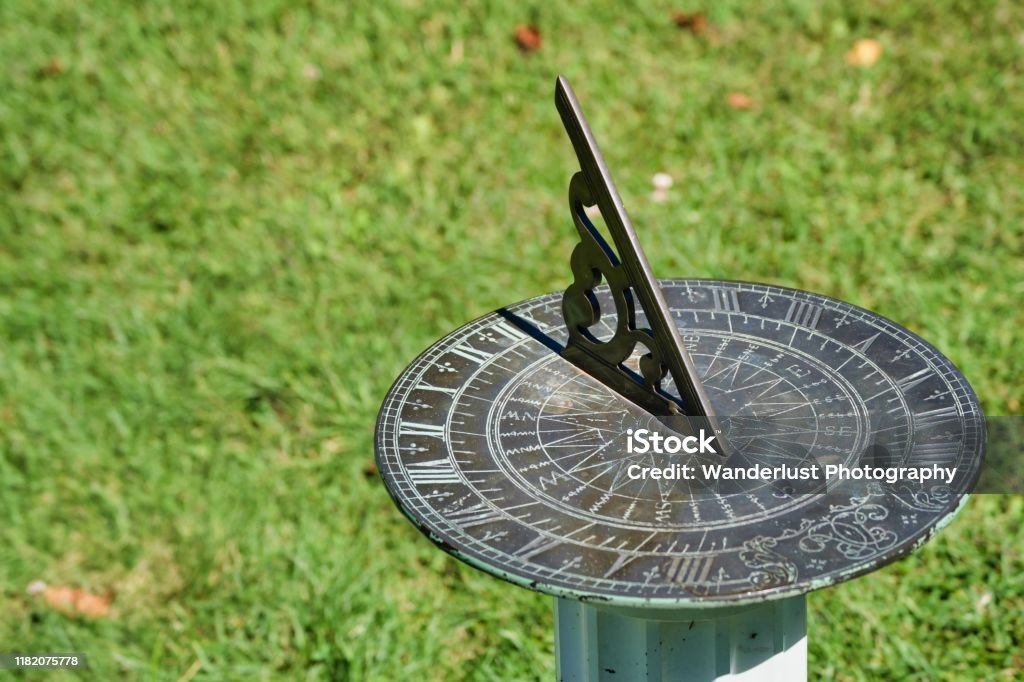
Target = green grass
(224,231)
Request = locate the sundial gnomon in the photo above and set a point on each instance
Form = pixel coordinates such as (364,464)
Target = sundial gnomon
(506,441)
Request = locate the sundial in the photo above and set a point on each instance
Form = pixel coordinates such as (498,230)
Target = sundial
(523,444)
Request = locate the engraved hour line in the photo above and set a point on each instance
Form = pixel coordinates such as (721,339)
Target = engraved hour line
(847,361)
(880,393)
(579,465)
(472,354)
(735,367)
(803,313)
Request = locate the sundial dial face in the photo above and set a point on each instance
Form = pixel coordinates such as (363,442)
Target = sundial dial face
(510,442)
(515,460)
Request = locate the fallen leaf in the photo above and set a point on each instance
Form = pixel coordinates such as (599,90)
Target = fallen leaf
(370,469)
(661,181)
(54,67)
(73,601)
(737,100)
(528,38)
(865,52)
(694,22)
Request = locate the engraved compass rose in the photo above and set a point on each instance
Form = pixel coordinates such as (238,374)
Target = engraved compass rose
(505,442)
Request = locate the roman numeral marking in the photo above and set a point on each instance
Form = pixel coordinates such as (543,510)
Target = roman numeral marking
(476,515)
(424,386)
(434,471)
(935,452)
(472,354)
(509,332)
(923,420)
(725,300)
(911,380)
(689,570)
(414,429)
(803,313)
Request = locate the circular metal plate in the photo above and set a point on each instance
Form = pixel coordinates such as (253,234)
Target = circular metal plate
(514,460)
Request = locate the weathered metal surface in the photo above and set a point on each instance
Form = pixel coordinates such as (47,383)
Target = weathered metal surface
(515,460)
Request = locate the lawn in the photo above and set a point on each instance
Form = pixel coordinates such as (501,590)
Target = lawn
(226,227)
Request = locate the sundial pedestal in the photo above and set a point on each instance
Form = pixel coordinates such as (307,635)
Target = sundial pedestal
(765,642)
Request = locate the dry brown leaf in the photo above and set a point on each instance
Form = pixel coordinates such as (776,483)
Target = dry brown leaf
(370,470)
(865,52)
(737,100)
(311,72)
(528,38)
(73,601)
(694,22)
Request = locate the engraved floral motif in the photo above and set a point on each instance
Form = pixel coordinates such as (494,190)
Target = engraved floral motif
(770,567)
(935,499)
(849,529)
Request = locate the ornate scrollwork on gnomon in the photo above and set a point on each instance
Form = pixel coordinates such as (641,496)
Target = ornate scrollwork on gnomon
(631,281)
(593,261)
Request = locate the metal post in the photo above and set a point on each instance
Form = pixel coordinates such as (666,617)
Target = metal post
(766,642)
